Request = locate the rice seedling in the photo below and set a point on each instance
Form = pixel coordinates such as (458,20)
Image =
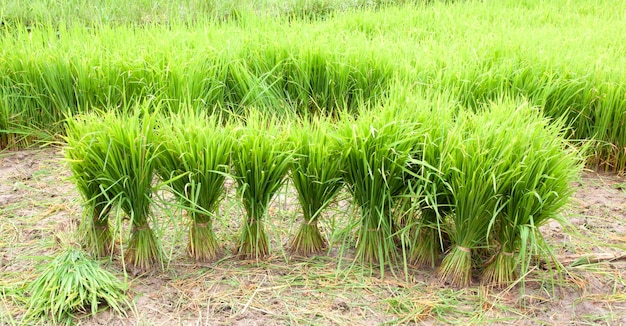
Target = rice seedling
(377,147)
(543,167)
(85,154)
(71,284)
(316,175)
(130,159)
(429,196)
(194,161)
(261,159)
(5,119)
(479,167)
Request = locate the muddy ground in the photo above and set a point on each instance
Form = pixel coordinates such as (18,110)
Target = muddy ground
(40,209)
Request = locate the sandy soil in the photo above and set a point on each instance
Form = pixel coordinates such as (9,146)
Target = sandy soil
(40,209)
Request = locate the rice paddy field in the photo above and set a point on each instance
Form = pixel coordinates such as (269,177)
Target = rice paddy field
(187,162)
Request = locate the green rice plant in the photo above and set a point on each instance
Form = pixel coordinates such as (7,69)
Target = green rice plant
(316,175)
(194,161)
(429,194)
(8,118)
(376,149)
(72,283)
(130,159)
(479,167)
(85,154)
(262,155)
(607,116)
(543,167)
(5,119)
(286,64)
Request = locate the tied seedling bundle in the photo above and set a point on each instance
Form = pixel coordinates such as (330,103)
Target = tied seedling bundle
(316,175)
(376,149)
(481,157)
(70,284)
(261,159)
(429,193)
(194,161)
(131,154)
(542,169)
(86,154)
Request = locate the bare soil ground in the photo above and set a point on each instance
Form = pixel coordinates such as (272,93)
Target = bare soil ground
(40,210)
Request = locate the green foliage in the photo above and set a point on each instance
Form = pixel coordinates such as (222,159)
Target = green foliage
(85,153)
(237,57)
(70,284)
(480,162)
(542,170)
(376,149)
(129,161)
(429,199)
(510,172)
(475,185)
(194,161)
(316,175)
(262,155)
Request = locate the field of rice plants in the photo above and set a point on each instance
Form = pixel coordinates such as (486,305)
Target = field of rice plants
(312,162)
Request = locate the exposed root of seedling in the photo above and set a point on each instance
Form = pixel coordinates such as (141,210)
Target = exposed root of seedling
(254,243)
(456,267)
(501,271)
(308,241)
(202,246)
(143,253)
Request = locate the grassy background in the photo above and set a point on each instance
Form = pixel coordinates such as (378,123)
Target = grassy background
(564,56)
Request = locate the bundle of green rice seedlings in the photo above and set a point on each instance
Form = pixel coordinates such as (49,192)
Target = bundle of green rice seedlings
(72,284)
(194,161)
(261,159)
(544,165)
(429,191)
(376,149)
(479,166)
(131,157)
(316,175)
(421,213)
(85,154)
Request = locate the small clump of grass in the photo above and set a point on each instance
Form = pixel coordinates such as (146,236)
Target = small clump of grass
(194,162)
(261,158)
(72,284)
(316,175)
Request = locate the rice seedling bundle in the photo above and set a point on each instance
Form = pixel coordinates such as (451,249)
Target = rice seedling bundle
(86,154)
(194,161)
(480,163)
(261,159)
(70,284)
(427,175)
(316,175)
(376,149)
(131,157)
(543,166)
